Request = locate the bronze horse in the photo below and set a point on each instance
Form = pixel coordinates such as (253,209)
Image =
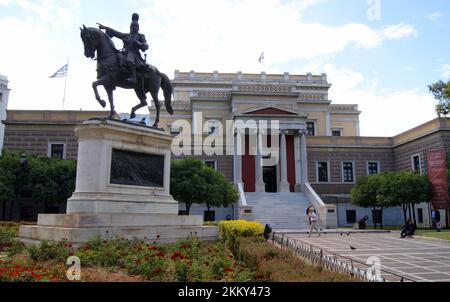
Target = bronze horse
(111,73)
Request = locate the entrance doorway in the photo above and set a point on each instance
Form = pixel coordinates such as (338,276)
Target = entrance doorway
(270,179)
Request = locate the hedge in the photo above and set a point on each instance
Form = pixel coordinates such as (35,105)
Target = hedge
(231,230)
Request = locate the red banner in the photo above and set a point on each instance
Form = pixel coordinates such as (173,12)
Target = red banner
(437,174)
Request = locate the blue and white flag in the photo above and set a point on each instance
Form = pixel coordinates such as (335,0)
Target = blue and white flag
(62,72)
(261,57)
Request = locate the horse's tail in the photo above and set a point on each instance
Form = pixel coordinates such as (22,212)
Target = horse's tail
(167,90)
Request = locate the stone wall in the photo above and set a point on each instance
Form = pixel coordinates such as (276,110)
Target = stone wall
(404,152)
(335,157)
(36,141)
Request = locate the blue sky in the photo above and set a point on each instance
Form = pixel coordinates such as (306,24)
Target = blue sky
(382,65)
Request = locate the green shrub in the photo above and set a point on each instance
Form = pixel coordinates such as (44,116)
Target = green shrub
(231,230)
(49,250)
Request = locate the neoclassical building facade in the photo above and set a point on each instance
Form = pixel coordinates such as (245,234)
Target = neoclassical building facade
(318,147)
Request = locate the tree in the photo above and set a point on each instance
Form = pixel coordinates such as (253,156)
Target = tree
(193,182)
(441,92)
(404,189)
(186,182)
(365,193)
(218,192)
(50,181)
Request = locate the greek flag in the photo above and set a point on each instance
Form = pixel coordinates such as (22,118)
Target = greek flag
(261,57)
(62,72)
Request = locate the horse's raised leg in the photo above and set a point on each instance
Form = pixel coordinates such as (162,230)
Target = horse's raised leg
(97,95)
(141,95)
(109,91)
(158,108)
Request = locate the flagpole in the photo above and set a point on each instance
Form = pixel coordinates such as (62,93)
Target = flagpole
(65,84)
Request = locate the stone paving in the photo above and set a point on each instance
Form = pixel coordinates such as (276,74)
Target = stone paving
(416,259)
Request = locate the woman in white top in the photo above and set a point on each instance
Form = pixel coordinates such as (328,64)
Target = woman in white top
(313,219)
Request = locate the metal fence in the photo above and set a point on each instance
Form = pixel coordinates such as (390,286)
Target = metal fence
(356,270)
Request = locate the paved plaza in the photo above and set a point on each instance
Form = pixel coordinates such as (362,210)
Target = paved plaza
(423,260)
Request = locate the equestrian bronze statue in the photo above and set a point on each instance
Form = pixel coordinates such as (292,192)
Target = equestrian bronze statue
(126,68)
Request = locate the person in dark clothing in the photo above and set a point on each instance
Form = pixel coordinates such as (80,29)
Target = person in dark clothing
(408,229)
(435,219)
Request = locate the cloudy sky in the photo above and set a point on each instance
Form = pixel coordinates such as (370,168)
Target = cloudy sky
(380,54)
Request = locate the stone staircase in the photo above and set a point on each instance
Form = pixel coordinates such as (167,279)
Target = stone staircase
(283,211)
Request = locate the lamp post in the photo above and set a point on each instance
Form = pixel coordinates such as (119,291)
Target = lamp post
(23,161)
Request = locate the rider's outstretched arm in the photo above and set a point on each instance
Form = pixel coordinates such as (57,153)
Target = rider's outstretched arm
(111,32)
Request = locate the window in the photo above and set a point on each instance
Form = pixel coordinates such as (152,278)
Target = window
(57,151)
(322,171)
(210,163)
(310,127)
(209,216)
(348,174)
(336,133)
(175,130)
(351,216)
(416,163)
(372,168)
(213,127)
(419,215)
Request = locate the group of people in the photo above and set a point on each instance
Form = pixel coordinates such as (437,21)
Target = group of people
(408,229)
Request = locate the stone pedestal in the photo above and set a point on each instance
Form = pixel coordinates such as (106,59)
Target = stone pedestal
(122,189)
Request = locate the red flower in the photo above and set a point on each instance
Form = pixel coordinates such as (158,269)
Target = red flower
(159,254)
(185,246)
(228,270)
(152,248)
(177,255)
(137,262)
(158,270)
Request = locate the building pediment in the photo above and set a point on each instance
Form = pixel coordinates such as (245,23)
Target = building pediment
(272,111)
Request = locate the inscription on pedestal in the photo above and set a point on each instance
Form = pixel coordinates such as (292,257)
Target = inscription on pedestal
(137,169)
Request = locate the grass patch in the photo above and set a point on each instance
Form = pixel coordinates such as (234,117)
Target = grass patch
(443,234)
(275,265)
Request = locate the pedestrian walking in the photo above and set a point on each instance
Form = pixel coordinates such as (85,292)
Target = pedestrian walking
(313,220)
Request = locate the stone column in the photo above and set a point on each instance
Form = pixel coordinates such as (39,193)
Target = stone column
(284,185)
(298,166)
(237,159)
(304,157)
(260,186)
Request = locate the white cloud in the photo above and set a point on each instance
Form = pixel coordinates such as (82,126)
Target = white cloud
(399,31)
(445,71)
(232,35)
(202,35)
(434,17)
(384,112)
(59,14)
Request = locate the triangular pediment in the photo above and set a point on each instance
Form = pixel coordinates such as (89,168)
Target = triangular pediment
(270,110)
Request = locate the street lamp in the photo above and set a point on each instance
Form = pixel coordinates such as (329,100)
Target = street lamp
(23,162)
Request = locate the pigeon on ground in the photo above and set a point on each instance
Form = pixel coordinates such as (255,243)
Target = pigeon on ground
(348,233)
(340,233)
(352,248)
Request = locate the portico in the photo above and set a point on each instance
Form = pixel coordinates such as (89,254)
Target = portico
(270,150)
